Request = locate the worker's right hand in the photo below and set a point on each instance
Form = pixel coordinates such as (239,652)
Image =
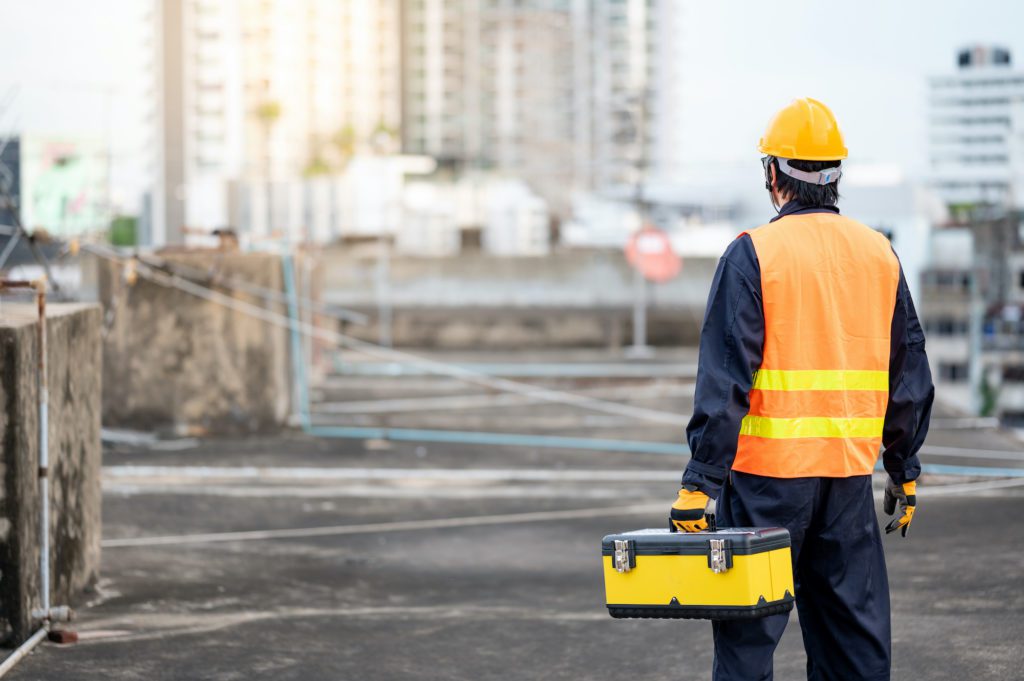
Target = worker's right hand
(688,513)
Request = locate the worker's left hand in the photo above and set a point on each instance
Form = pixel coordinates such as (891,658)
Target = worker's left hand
(688,513)
(906,494)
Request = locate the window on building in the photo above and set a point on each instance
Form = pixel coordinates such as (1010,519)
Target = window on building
(953,372)
(1013,373)
(946,326)
(940,281)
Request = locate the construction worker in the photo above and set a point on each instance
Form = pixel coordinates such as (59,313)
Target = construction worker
(811,359)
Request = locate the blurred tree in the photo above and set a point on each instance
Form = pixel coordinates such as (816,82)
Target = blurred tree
(989,395)
(123,230)
(268,111)
(384,139)
(345,141)
(316,166)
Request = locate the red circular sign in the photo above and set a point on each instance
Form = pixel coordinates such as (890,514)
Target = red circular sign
(650,251)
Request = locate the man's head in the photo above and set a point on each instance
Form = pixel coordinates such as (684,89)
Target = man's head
(803,148)
(786,188)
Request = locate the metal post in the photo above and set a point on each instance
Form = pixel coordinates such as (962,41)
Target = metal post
(976,318)
(384,292)
(15,237)
(300,391)
(44,455)
(640,349)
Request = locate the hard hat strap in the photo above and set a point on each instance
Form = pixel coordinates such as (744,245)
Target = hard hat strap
(766,162)
(826,176)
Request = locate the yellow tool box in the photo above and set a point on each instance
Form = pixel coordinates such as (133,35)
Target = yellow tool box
(736,573)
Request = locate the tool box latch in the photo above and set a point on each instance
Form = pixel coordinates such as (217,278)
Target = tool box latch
(625,556)
(719,559)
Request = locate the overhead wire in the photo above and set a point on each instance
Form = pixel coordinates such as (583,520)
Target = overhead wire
(463,374)
(255,289)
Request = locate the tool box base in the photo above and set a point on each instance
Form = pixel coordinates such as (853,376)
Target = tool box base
(698,613)
(733,573)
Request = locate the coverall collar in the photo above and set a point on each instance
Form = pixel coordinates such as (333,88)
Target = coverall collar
(797,208)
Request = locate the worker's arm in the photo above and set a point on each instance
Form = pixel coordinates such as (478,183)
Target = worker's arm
(731,345)
(911,392)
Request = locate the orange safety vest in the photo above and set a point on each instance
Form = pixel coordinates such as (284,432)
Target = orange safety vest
(817,406)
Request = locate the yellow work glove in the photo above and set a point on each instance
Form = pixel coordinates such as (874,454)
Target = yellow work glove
(906,494)
(688,513)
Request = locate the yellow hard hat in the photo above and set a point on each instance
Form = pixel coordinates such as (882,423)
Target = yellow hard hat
(806,130)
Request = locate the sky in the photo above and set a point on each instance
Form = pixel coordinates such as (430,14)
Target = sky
(81,68)
(869,60)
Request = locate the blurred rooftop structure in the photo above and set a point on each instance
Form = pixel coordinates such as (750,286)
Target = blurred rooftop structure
(976,130)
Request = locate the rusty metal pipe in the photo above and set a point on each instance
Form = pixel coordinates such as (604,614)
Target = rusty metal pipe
(44,455)
(46,613)
(10,284)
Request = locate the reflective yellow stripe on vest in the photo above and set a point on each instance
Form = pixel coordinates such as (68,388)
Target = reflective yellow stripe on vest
(850,379)
(810,426)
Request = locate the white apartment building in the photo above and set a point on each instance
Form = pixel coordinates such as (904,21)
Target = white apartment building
(259,93)
(567,94)
(371,97)
(624,77)
(977,130)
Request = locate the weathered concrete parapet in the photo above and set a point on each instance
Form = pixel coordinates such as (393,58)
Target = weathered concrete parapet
(74,375)
(174,360)
(475,301)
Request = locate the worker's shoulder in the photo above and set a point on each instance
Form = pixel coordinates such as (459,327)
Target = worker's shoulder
(859,227)
(741,252)
(780,227)
(881,248)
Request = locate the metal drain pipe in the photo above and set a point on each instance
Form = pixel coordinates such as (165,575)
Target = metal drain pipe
(44,458)
(23,650)
(45,612)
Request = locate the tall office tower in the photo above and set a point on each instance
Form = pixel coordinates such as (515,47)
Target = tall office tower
(977,130)
(564,93)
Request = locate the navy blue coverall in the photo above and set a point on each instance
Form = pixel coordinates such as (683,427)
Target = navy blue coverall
(842,590)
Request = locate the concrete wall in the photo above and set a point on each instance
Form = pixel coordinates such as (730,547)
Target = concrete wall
(577,298)
(172,360)
(74,372)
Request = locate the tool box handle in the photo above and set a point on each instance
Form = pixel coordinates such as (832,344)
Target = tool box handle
(709,514)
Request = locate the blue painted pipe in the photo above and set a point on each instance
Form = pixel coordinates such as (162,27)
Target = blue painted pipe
(944,469)
(507,439)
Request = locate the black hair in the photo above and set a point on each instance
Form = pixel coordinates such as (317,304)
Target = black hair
(805,193)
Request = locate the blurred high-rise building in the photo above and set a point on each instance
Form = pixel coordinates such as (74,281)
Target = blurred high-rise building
(267,91)
(371,97)
(567,94)
(977,130)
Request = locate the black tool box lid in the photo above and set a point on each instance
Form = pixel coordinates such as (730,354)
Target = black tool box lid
(742,540)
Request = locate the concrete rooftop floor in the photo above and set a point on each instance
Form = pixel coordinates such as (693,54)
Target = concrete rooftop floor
(518,598)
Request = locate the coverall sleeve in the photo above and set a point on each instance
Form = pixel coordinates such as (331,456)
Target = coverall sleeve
(731,346)
(911,391)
